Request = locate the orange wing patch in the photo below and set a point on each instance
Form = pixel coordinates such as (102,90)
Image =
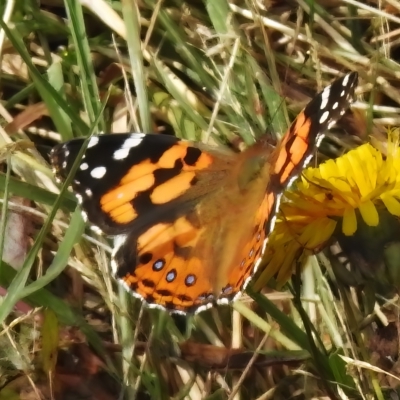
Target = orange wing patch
(250,254)
(193,159)
(116,203)
(155,182)
(293,148)
(173,188)
(167,270)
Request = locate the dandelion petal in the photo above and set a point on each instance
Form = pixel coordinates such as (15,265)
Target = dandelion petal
(349,224)
(369,213)
(392,205)
(360,173)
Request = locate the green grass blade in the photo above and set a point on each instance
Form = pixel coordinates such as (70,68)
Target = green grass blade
(87,75)
(131,16)
(72,236)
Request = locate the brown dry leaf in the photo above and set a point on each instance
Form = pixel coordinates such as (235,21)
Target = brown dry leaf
(221,358)
(12,64)
(25,118)
(16,238)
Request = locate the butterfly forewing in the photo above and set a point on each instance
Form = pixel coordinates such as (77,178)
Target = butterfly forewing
(192,221)
(297,146)
(291,155)
(128,182)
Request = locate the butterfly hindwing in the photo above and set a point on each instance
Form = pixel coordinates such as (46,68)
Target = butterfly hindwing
(163,268)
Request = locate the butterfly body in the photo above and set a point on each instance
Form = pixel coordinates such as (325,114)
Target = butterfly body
(191,221)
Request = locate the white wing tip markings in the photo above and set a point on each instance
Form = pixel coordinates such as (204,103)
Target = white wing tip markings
(346,80)
(324,117)
(325,97)
(132,141)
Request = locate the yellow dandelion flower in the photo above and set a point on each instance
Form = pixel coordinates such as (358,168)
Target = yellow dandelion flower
(334,193)
(356,180)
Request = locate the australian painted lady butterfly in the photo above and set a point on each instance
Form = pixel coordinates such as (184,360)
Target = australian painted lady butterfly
(191,221)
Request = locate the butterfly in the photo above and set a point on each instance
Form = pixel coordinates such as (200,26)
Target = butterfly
(191,221)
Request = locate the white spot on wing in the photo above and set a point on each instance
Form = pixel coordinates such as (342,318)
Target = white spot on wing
(134,140)
(84,166)
(319,140)
(129,143)
(346,80)
(93,141)
(121,154)
(324,117)
(324,102)
(325,97)
(98,172)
